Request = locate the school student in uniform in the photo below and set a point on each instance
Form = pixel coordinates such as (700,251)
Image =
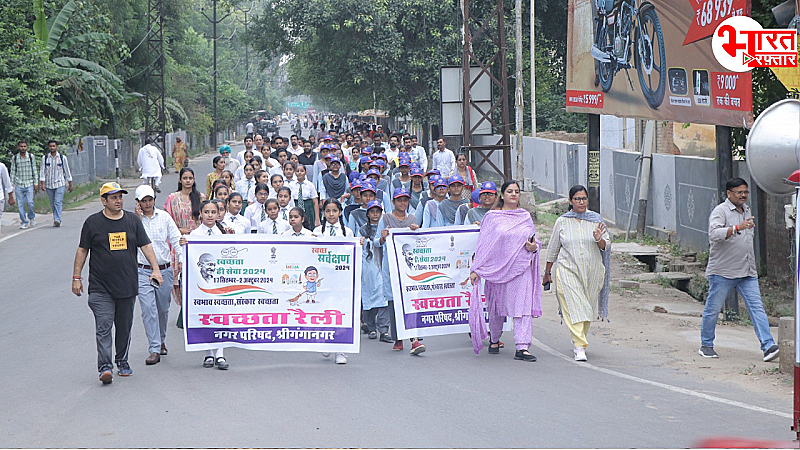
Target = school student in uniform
(305,196)
(298,223)
(232,217)
(358,216)
(431,216)
(449,206)
(209,214)
(255,213)
(373,300)
(273,224)
(333,225)
(247,187)
(285,202)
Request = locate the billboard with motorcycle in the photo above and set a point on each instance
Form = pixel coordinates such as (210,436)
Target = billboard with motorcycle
(653,60)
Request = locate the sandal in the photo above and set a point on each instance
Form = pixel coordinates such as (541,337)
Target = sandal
(221,363)
(208,361)
(524,355)
(494,348)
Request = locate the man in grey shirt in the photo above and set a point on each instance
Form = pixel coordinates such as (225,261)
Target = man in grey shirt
(732,265)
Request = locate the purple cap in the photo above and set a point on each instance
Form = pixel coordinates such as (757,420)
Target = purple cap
(488,186)
(416,172)
(455,179)
(401,192)
(374,204)
(475,196)
(369,185)
(364,159)
(373,172)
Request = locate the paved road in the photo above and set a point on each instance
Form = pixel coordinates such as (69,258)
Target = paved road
(446,398)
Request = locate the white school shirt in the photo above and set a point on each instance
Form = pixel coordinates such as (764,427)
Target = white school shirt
(202,230)
(309,191)
(237,222)
(265,227)
(253,215)
(240,155)
(150,161)
(346,233)
(248,194)
(303,232)
(276,170)
(285,212)
(163,232)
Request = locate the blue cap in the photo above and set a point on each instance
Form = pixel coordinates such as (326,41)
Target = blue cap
(381,163)
(361,176)
(373,172)
(455,179)
(416,172)
(369,185)
(375,163)
(404,155)
(440,182)
(488,186)
(401,192)
(327,137)
(355,184)
(336,159)
(404,162)
(475,196)
(374,204)
(381,155)
(366,150)
(433,171)
(415,165)
(364,159)
(353,176)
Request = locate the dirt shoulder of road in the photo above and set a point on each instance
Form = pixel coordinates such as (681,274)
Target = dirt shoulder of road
(666,321)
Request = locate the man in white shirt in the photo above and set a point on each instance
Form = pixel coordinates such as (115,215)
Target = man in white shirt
(249,128)
(444,160)
(150,162)
(154,301)
(416,152)
(248,145)
(295,148)
(5,188)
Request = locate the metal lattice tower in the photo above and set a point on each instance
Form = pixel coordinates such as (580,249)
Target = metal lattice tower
(155,124)
(485,47)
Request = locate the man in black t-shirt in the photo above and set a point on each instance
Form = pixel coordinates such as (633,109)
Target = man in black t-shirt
(112,236)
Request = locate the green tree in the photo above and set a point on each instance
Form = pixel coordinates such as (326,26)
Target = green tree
(28,84)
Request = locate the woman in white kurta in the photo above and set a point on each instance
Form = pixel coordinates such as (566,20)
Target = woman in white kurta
(578,243)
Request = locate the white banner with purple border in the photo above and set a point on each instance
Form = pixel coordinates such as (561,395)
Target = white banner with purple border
(430,270)
(265,292)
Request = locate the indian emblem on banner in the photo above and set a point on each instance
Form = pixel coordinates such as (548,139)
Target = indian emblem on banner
(273,258)
(452,243)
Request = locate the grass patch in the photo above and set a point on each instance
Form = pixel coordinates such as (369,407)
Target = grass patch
(80,195)
(546,218)
(662,280)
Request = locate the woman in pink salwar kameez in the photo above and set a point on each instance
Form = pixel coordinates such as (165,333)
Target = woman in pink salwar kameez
(507,258)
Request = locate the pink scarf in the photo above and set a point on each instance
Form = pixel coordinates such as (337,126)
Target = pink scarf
(501,256)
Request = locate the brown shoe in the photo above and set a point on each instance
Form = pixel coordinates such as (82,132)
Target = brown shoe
(154,358)
(163,349)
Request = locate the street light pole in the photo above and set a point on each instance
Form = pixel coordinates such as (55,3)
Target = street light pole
(214,23)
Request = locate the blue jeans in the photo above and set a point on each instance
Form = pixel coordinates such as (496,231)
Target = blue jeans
(25,202)
(56,197)
(748,288)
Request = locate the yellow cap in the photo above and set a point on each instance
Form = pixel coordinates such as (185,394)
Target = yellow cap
(111,188)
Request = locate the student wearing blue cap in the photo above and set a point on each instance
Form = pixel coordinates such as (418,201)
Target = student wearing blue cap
(397,219)
(448,206)
(462,210)
(373,301)
(417,190)
(334,183)
(431,215)
(354,202)
(364,164)
(488,198)
(403,177)
(357,217)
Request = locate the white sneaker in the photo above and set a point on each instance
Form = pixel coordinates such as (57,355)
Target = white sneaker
(580,353)
(341,359)
(326,354)
(33,223)
(23,226)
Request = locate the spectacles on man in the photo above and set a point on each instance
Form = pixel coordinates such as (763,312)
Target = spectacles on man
(741,193)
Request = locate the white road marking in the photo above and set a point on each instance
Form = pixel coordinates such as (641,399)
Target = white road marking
(663,385)
(17,234)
